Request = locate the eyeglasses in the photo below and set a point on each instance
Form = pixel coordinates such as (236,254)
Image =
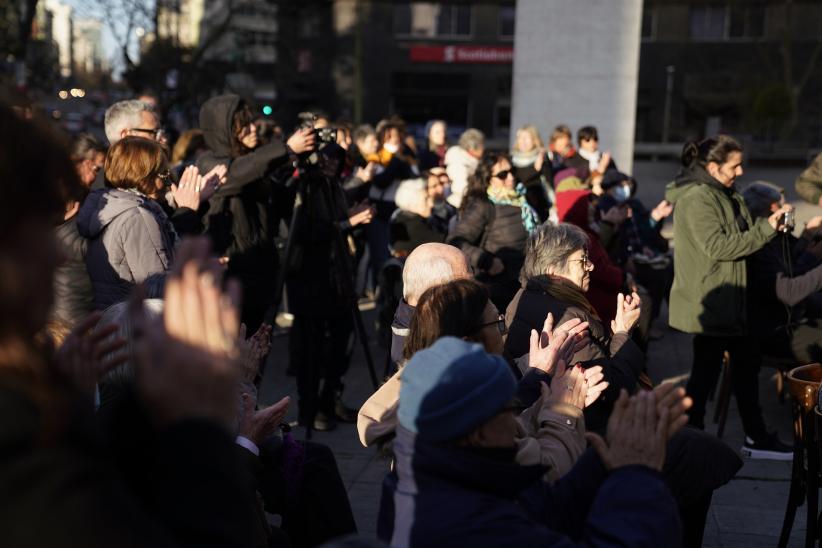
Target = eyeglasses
(502,175)
(156,134)
(167,177)
(499,322)
(585,261)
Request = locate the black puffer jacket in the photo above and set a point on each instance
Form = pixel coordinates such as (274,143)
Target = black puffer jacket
(239,220)
(485,230)
(73,297)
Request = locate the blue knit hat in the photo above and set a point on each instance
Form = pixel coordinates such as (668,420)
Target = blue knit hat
(451,388)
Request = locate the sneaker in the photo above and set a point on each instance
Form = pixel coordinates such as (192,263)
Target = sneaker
(325,422)
(344,413)
(768,448)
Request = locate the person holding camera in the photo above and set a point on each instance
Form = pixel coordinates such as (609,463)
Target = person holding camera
(785,283)
(714,233)
(241,221)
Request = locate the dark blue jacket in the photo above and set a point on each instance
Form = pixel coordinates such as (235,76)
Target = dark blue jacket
(449,496)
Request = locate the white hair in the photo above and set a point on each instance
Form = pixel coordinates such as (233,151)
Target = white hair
(124,115)
(411,195)
(435,271)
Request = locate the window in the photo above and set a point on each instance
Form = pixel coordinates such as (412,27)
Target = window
(708,22)
(430,20)
(738,21)
(648,23)
(507,19)
(746,21)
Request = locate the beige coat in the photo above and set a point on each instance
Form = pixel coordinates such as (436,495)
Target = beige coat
(548,433)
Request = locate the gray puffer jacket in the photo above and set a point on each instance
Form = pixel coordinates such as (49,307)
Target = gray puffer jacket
(131,241)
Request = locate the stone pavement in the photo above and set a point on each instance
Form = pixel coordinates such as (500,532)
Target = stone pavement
(746,513)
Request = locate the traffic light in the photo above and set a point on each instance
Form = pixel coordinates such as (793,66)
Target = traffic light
(267,110)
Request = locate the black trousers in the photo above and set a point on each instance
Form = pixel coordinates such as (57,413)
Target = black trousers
(320,348)
(745,362)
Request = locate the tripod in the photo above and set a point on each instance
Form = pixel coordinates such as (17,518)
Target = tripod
(319,180)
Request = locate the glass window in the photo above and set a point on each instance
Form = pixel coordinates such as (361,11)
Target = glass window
(648,23)
(432,20)
(708,22)
(507,18)
(746,21)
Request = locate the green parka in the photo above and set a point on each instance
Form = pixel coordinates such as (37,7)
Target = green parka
(711,242)
(809,183)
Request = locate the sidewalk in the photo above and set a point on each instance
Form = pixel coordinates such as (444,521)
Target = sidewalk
(746,513)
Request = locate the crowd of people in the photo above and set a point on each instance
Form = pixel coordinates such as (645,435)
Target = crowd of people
(517,291)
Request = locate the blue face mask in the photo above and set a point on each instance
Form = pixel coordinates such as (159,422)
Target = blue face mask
(622,193)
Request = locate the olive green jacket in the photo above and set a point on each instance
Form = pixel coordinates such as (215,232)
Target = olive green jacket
(809,183)
(708,295)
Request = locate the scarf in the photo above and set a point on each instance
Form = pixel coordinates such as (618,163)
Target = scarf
(592,157)
(515,197)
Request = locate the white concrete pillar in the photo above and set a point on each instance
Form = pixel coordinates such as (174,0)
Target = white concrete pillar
(577,62)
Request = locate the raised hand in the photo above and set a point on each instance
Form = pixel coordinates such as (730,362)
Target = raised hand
(188,366)
(568,385)
(260,424)
(662,210)
(86,355)
(361,214)
(303,140)
(595,383)
(637,434)
(254,350)
(673,398)
(627,314)
(550,345)
(212,181)
(186,192)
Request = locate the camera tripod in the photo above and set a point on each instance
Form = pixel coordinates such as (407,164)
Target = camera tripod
(319,180)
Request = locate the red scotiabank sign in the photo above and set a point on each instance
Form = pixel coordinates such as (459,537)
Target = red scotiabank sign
(461,54)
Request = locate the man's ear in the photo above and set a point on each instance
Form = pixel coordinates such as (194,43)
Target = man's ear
(123,133)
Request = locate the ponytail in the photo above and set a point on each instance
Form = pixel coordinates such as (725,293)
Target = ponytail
(714,150)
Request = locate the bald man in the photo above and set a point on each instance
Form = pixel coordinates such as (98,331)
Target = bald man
(428,265)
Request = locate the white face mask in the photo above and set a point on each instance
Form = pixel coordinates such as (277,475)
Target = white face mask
(622,193)
(391,147)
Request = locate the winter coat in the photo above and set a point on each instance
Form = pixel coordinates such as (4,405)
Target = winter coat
(409,230)
(485,231)
(459,165)
(621,359)
(73,295)
(535,182)
(607,279)
(240,220)
(809,183)
(713,234)
(454,496)
(131,241)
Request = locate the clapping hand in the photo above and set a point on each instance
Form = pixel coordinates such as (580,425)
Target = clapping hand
(254,350)
(671,397)
(361,214)
(86,355)
(627,314)
(258,425)
(188,365)
(637,433)
(662,210)
(577,386)
(551,345)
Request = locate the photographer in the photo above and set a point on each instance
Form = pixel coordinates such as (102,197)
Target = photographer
(240,220)
(319,295)
(785,279)
(713,234)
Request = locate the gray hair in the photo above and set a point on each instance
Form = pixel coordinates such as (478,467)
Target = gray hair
(411,194)
(436,271)
(759,196)
(124,115)
(472,139)
(551,245)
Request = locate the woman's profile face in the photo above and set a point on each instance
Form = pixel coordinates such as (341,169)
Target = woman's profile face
(437,134)
(248,136)
(727,172)
(489,335)
(501,175)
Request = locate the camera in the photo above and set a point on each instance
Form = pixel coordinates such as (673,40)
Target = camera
(787,222)
(326,135)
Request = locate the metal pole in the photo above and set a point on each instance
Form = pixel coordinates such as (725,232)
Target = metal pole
(669,89)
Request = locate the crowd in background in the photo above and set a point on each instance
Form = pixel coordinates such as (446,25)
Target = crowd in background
(517,294)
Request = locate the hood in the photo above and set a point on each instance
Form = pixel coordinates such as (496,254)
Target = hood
(458,155)
(215,121)
(687,178)
(572,207)
(461,466)
(104,205)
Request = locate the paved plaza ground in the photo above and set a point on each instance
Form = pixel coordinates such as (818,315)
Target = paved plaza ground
(745,513)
